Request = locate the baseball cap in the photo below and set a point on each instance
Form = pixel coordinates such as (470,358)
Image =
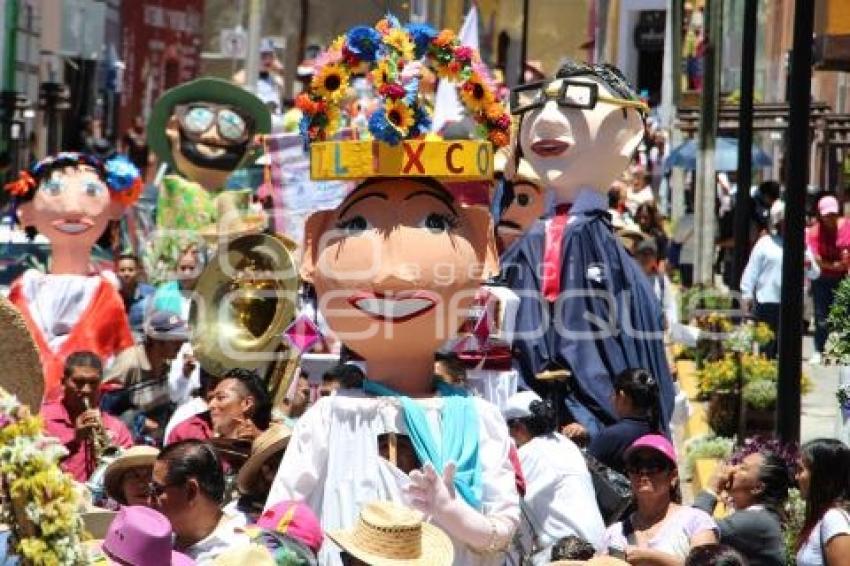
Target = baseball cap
(518,406)
(166,325)
(828,205)
(655,442)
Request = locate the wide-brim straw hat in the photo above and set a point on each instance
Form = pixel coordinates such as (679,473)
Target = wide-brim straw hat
(389,534)
(235,218)
(22,373)
(269,443)
(133,457)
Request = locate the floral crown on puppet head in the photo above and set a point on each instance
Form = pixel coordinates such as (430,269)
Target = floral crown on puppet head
(392,56)
(120,175)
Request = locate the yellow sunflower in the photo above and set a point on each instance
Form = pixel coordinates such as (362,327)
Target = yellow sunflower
(400,115)
(331,82)
(475,94)
(381,74)
(400,40)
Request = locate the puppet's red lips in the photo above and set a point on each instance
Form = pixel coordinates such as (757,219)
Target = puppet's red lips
(73,226)
(397,307)
(549,148)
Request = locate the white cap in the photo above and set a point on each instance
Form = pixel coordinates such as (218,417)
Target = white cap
(518,406)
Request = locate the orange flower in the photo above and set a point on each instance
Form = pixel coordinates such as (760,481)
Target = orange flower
(304,103)
(131,195)
(444,38)
(22,185)
(383,26)
(499,138)
(494,111)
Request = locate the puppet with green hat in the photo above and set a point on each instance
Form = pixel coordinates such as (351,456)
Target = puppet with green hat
(204,130)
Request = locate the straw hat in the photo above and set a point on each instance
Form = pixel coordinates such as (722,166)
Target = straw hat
(22,373)
(133,457)
(269,443)
(235,218)
(389,534)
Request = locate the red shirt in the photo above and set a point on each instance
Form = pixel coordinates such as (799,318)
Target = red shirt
(830,247)
(196,427)
(80,463)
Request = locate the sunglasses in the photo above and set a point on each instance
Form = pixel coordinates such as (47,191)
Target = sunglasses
(195,119)
(567,93)
(646,466)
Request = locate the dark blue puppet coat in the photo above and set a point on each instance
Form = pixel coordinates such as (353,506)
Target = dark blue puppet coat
(606,319)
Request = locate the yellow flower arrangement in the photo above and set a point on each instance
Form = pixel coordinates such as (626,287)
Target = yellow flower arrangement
(399,40)
(381,74)
(331,82)
(39,501)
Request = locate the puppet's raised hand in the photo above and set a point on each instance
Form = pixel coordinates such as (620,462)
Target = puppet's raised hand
(435,496)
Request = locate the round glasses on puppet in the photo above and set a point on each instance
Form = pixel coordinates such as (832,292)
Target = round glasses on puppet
(395,266)
(580,129)
(205,128)
(523,201)
(70,199)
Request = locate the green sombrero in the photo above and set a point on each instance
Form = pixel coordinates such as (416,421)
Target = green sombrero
(202,90)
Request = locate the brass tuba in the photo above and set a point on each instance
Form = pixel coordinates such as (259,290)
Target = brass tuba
(244,299)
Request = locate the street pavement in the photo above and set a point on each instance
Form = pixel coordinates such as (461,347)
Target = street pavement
(819,414)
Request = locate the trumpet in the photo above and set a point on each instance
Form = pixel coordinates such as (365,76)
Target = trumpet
(104,454)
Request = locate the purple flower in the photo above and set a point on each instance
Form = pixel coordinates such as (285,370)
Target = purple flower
(422,35)
(363,42)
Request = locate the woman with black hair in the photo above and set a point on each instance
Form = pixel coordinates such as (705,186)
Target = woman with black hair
(635,401)
(559,497)
(758,488)
(823,476)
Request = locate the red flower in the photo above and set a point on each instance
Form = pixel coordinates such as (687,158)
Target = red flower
(499,138)
(464,54)
(454,67)
(504,122)
(392,90)
(350,58)
(304,103)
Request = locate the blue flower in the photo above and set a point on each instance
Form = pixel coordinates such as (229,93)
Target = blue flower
(422,35)
(363,42)
(304,127)
(120,173)
(411,91)
(382,129)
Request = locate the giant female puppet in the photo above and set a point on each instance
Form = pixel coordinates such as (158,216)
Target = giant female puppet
(395,266)
(70,198)
(598,313)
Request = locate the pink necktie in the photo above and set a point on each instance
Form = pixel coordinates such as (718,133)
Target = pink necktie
(552,252)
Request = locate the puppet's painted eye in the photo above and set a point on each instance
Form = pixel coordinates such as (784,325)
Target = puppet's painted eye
(52,188)
(94,189)
(231,125)
(523,199)
(439,223)
(354,226)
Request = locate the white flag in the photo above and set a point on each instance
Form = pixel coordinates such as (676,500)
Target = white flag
(447,106)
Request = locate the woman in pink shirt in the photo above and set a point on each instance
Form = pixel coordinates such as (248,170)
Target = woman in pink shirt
(829,240)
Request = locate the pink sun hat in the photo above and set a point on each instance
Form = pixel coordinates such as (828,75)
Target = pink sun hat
(294,519)
(655,442)
(140,535)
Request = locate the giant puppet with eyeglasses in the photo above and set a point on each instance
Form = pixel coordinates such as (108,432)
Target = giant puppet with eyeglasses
(203,130)
(587,311)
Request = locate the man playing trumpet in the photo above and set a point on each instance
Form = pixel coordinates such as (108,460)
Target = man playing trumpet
(77,421)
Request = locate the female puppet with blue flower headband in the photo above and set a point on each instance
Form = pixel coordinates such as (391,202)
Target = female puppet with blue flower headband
(70,199)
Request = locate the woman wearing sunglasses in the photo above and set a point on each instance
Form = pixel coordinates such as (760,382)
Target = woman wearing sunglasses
(661,531)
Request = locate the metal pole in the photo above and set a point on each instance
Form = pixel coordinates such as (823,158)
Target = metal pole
(704,217)
(252,59)
(791,316)
(523,54)
(744,202)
